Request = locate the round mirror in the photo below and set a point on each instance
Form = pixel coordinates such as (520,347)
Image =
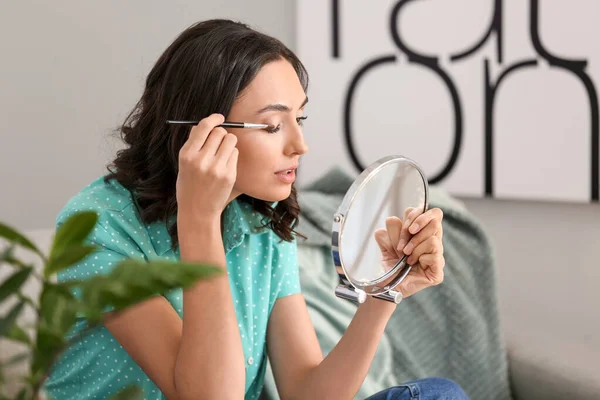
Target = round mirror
(365,261)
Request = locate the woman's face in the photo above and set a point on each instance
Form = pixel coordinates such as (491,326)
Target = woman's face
(274,97)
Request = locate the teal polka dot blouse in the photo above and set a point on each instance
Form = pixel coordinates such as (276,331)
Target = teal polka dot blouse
(261,269)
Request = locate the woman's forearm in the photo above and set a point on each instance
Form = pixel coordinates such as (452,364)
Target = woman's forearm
(341,374)
(210,363)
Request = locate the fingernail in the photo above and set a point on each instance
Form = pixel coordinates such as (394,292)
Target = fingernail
(408,249)
(414,228)
(400,245)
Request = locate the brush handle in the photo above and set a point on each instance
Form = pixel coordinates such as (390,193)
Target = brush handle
(223,125)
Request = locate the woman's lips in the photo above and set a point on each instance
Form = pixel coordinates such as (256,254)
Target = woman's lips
(287,176)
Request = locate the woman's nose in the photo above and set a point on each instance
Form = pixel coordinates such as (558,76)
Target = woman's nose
(296,143)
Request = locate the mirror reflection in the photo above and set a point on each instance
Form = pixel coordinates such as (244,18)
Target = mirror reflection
(372,225)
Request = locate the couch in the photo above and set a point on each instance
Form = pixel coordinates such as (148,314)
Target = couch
(541,364)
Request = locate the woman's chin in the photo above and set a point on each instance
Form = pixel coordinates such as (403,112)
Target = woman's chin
(279,196)
(271,194)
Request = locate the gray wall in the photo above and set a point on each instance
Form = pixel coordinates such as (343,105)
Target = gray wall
(71,71)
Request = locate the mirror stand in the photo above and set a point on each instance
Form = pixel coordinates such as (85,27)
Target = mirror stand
(366,262)
(348,292)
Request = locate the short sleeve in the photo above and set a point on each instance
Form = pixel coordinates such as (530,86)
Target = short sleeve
(100,262)
(285,269)
(111,244)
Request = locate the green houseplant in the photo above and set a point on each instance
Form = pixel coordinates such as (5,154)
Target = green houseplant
(130,282)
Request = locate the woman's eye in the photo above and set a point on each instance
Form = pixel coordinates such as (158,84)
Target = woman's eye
(274,129)
(300,120)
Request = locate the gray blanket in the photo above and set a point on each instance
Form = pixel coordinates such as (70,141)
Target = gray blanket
(451,330)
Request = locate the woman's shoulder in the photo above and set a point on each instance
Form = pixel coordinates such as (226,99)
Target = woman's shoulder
(111,201)
(100,196)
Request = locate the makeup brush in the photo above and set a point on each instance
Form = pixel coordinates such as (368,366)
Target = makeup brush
(224,124)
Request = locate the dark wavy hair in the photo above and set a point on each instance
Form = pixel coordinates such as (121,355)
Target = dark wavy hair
(202,72)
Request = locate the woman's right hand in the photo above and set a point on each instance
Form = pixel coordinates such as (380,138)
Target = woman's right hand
(207,169)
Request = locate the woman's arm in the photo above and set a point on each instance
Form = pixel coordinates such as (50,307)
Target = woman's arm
(200,357)
(210,361)
(298,366)
(291,337)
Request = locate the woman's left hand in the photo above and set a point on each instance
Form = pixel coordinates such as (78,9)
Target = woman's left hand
(419,236)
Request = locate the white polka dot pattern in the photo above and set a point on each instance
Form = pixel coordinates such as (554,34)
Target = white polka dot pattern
(261,269)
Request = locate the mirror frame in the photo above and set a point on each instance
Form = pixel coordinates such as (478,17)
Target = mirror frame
(348,288)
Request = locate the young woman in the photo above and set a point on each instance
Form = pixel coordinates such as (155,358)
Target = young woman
(226,198)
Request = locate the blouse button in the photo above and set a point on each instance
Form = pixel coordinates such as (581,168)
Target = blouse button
(250,360)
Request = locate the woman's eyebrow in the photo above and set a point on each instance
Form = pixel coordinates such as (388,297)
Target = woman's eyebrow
(279,107)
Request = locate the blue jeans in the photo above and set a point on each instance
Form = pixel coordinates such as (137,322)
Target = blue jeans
(423,389)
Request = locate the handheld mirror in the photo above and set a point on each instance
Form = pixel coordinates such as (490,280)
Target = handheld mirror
(387,188)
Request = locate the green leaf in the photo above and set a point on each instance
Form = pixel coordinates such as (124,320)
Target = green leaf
(13,236)
(7,322)
(22,394)
(14,283)
(66,258)
(16,263)
(8,257)
(73,232)
(72,283)
(27,300)
(58,308)
(133,281)
(7,254)
(17,358)
(132,392)
(49,345)
(17,334)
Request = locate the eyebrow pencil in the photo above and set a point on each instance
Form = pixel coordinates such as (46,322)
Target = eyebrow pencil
(224,124)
